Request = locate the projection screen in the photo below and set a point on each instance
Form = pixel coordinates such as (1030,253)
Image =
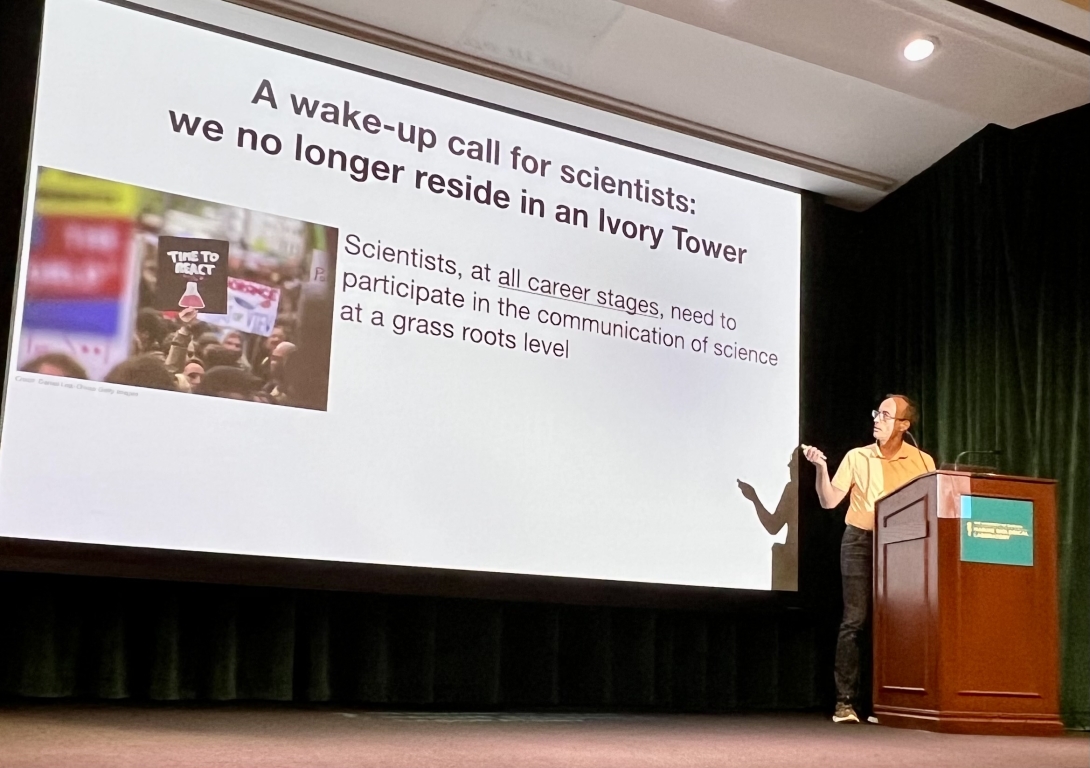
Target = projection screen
(285,294)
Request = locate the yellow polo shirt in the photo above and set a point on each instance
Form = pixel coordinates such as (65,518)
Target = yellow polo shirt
(869,476)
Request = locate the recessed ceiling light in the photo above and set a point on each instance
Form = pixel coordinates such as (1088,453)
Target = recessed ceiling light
(920,48)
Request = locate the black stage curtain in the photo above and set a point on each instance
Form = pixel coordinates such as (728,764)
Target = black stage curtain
(968,288)
(63,636)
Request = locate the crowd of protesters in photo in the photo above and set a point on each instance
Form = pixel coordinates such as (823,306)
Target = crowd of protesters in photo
(181,353)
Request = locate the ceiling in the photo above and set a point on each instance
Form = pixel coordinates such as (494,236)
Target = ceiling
(818,89)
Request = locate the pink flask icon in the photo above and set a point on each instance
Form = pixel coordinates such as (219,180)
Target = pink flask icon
(191,299)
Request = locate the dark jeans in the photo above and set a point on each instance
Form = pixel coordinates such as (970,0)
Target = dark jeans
(856,563)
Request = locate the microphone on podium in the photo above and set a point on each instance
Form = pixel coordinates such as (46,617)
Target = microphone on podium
(978,467)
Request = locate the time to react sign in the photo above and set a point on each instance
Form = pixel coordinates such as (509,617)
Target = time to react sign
(996,530)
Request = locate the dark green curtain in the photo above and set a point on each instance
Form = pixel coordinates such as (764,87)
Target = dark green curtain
(969,289)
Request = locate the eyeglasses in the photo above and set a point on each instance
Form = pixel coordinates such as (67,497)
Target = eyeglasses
(881,416)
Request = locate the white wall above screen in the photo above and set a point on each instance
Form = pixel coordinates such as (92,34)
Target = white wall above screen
(458,25)
(824,79)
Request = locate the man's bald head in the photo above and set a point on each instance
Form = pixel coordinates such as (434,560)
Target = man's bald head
(906,408)
(279,356)
(895,416)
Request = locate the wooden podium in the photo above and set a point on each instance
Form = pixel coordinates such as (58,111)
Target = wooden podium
(965,609)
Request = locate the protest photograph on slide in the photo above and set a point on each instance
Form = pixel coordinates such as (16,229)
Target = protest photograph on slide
(144,288)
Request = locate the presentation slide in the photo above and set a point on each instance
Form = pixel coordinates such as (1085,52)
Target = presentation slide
(271,301)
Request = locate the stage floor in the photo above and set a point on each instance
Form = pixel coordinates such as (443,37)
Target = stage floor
(123,735)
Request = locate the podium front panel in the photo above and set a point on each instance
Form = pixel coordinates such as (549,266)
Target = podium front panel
(906,588)
(966,639)
(999,627)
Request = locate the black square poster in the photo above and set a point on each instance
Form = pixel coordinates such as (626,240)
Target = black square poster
(192,274)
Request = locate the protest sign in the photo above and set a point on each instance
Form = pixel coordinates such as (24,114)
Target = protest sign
(251,307)
(192,274)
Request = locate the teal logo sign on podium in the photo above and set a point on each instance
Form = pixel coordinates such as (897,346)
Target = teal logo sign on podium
(996,530)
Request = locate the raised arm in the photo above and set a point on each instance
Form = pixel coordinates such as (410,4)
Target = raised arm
(827,493)
(768,519)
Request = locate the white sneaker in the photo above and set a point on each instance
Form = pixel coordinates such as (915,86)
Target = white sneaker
(845,714)
(872,720)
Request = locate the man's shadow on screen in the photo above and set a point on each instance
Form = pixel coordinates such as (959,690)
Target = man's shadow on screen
(785,557)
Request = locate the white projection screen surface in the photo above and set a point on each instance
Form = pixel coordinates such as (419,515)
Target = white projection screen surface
(282,293)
